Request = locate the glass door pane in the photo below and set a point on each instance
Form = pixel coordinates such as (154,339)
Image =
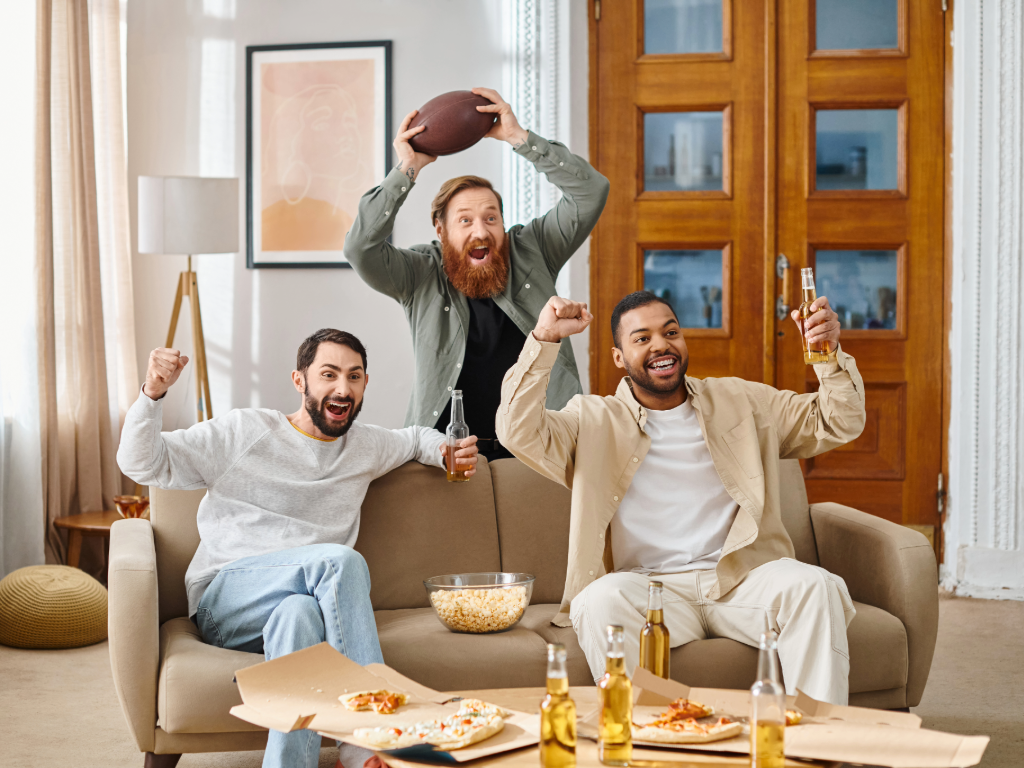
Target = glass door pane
(683,151)
(843,25)
(691,281)
(683,26)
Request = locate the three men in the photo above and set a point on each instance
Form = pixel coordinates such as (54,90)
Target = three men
(684,475)
(472,295)
(275,571)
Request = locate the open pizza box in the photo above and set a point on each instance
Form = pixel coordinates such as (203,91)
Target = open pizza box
(301,690)
(827,731)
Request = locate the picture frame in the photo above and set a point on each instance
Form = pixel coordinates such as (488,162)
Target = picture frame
(317,137)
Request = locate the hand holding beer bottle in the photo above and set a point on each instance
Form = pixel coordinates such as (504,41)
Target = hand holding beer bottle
(459,450)
(817,323)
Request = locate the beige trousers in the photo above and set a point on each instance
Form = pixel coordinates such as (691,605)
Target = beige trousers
(809,607)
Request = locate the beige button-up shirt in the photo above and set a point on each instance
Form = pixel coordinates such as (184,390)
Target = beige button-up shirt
(595,445)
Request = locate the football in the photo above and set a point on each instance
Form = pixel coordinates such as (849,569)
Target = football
(452,123)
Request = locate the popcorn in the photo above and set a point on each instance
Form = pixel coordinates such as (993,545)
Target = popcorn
(480,610)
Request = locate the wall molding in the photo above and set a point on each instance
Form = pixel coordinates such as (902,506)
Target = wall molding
(984,555)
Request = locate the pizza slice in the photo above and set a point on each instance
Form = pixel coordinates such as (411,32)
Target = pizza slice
(478,707)
(380,701)
(793,717)
(684,708)
(453,732)
(687,731)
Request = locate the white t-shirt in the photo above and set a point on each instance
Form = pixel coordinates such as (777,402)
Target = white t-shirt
(676,515)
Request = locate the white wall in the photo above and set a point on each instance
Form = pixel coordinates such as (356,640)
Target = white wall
(984,552)
(186,116)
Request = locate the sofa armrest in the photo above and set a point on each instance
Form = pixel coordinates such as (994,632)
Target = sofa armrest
(890,567)
(133,626)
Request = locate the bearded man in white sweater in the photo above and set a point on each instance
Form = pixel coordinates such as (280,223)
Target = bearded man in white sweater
(275,571)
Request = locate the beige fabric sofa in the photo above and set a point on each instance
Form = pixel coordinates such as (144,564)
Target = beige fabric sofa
(176,691)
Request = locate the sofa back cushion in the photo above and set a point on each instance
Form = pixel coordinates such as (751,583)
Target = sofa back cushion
(176,536)
(415,524)
(533,526)
(796,513)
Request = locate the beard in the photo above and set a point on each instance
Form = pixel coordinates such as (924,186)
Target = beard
(476,281)
(318,413)
(642,377)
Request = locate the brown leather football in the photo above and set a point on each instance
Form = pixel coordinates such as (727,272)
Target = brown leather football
(452,123)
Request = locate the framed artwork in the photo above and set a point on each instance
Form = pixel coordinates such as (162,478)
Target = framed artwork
(317,136)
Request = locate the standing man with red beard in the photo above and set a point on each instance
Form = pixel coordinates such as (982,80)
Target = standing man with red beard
(473,295)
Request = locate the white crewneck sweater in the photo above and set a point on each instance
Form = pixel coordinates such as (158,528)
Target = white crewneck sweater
(269,486)
(676,514)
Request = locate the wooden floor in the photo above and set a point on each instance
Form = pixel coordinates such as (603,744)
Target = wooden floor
(59,707)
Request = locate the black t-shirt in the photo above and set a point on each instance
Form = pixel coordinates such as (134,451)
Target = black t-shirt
(492,348)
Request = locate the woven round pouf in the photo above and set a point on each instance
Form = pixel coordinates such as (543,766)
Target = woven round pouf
(52,606)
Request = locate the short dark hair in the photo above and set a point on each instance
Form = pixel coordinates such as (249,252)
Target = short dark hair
(308,348)
(452,187)
(633,301)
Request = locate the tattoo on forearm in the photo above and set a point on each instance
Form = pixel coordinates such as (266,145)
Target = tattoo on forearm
(411,173)
(518,144)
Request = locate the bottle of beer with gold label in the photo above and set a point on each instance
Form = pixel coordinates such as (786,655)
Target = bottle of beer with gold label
(767,708)
(818,351)
(654,645)
(457,431)
(615,730)
(557,715)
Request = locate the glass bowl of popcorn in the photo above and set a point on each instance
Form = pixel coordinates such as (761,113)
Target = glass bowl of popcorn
(480,603)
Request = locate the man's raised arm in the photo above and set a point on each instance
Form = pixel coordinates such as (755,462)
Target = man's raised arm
(561,231)
(810,424)
(543,440)
(385,268)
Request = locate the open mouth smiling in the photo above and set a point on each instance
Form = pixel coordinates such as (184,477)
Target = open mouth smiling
(479,254)
(337,411)
(665,365)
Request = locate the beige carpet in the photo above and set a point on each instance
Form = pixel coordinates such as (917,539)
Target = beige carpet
(59,707)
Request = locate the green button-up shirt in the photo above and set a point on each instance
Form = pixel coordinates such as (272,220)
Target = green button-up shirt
(438,313)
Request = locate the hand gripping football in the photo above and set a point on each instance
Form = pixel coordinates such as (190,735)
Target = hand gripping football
(452,123)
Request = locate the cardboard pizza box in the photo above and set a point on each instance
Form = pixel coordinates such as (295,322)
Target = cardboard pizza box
(827,732)
(301,691)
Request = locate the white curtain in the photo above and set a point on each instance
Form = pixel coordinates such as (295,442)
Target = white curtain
(21,515)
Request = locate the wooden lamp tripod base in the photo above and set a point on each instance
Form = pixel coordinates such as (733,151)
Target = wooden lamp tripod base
(189,286)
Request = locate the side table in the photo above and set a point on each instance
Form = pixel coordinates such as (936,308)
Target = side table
(86,524)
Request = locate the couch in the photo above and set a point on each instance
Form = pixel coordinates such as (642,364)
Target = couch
(176,691)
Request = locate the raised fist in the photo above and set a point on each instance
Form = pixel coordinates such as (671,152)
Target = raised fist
(560,318)
(165,365)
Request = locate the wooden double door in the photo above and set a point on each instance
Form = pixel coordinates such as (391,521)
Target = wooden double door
(747,139)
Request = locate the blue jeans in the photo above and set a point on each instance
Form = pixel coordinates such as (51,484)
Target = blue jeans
(286,601)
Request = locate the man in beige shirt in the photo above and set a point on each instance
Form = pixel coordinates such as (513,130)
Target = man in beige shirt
(677,479)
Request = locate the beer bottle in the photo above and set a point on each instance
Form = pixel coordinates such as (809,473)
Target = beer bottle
(654,644)
(615,732)
(818,351)
(767,708)
(557,715)
(457,431)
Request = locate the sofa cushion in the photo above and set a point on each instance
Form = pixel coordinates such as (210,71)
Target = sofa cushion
(538,618)
(196,688)
(533,526)
(415,524)
(417,644)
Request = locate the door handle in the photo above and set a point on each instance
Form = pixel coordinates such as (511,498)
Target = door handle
(782,300)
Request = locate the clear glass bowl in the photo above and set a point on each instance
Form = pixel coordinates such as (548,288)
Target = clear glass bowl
(480,603)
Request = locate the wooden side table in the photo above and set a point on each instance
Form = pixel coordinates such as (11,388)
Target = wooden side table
(85,524)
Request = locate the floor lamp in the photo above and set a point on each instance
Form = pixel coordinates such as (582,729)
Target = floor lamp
(183,215)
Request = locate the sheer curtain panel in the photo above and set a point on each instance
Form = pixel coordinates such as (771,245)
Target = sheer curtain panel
(85,337)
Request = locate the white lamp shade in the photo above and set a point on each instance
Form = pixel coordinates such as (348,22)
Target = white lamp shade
(187,215)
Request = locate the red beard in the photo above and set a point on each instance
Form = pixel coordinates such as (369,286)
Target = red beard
(476,282)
